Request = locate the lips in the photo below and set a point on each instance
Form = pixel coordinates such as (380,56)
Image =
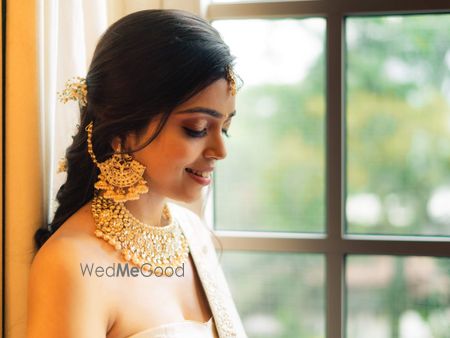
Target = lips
(206,169)
(200,173)
(203,180)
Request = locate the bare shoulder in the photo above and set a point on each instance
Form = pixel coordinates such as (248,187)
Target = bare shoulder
(77,240)
(61,301)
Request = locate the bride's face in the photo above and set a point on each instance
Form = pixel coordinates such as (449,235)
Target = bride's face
(193,138)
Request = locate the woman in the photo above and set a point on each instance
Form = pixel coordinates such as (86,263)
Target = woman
(119,259)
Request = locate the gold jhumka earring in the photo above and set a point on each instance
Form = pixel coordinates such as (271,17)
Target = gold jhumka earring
(121,177)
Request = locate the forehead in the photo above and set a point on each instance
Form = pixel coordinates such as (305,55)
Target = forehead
(215,100)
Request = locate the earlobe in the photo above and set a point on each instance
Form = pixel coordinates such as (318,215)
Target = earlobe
(130,142)
(120,144)
(116,143)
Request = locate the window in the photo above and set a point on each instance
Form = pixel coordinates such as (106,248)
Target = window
(279,135)
(398,123)
(333,204)
(393,296)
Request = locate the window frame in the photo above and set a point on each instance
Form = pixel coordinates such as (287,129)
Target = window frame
(334,244)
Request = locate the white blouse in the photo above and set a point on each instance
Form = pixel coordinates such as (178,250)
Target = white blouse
(225,321)
(184,329)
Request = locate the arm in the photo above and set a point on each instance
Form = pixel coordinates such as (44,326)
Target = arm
(61,303)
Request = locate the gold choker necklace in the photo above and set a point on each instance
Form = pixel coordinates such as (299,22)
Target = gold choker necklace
(144,245)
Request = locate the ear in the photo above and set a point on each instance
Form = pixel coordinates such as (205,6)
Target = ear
(116,143)
(129,142)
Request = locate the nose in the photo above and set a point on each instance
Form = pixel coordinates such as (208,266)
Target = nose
(216,148)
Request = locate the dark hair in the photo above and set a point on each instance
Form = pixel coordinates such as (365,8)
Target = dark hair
(145,64)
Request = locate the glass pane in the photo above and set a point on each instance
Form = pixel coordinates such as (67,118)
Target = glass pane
(278,294)
(398,297)
(398,124)
(273,176)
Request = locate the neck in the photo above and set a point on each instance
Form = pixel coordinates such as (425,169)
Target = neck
(148,209)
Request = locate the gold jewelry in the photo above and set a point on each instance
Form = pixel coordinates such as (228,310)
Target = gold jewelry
(231,78)
(62,165)
(121,177)
(75,90)
(141,244)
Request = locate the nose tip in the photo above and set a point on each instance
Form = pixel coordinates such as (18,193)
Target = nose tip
(221,153)
(217,150)
(216,155)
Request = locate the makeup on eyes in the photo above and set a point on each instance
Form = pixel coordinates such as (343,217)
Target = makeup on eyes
(201,133)
(196,123)
(196,127)
(199,129)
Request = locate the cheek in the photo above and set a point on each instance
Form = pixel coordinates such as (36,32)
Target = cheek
(168,157)
(181,154)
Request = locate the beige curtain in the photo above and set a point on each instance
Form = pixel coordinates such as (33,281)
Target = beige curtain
(47,42)
(67,36)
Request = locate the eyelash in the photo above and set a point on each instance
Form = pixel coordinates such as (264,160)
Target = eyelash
(201,133)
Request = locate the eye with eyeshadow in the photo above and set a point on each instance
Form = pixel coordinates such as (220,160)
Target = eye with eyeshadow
(201,133)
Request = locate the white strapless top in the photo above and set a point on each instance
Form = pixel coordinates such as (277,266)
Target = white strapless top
(184,329)
(225,322)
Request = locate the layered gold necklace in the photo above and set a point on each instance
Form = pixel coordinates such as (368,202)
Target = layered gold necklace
(143,245)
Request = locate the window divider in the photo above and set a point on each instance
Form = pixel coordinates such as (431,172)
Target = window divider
(280,9)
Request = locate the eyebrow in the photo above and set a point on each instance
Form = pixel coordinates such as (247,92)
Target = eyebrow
(208,111)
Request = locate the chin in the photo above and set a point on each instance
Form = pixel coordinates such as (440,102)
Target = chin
(187,197)
(192,196)
(192,199)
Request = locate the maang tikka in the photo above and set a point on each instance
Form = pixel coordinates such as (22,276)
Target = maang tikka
(231,79)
